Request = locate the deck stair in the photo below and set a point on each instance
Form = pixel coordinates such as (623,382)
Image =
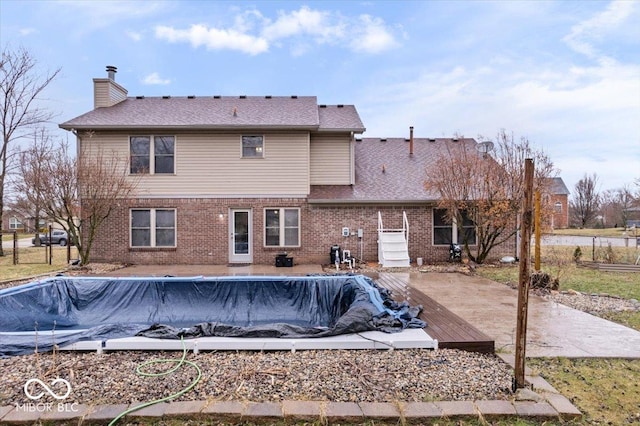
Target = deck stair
(393,244)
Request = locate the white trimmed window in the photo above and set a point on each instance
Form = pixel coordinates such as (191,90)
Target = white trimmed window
(153,228)
(446,232)
(558,207)
(152,154)
(252,147)
(15,223)
(282,227)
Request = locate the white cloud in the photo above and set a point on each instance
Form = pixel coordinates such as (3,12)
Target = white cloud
(372,36)
(253,33)
(154,79)
(213,38)
(26,31)
(304,21)
(585,35)
(133,35)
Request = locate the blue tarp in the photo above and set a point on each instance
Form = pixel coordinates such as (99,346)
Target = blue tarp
(64,310)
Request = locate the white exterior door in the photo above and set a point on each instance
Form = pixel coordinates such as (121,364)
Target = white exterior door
(240,230)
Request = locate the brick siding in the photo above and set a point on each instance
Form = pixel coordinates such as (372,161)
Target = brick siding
(203,232)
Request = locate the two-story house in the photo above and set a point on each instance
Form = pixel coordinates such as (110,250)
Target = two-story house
(559,199)
(243,179)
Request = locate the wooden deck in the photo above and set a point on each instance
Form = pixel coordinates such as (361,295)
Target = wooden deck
(451,331)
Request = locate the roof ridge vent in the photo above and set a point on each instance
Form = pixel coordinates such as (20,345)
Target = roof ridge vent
(166,97)
(243,96)
(431,139)
(191,97)
(294,96)
(268,97)
(383,139)
(216,96)
(340,106)
(455,139)
(322,106)
(139,97)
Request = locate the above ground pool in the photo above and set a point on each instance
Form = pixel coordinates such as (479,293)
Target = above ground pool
(63,310)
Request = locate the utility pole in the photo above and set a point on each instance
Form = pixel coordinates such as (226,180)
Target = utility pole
(523,282)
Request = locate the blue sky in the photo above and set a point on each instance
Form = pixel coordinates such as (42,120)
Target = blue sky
(565,74)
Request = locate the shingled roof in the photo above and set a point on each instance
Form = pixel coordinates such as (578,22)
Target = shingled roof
(557,186)
(221,112)
(386,173)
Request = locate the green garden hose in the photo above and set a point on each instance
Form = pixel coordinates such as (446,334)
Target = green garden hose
(140,372)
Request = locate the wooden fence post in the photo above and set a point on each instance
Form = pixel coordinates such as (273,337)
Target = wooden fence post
(523,281)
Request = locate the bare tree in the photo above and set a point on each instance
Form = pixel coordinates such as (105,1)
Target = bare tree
(616,205)
(488,189)
(83,191)
(20,87)
(33,177)
(586,200)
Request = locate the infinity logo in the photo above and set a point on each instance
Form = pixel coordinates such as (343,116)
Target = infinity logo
(47,388)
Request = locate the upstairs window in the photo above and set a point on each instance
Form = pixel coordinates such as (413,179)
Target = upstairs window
(152,155)
(252,147)
(558,207)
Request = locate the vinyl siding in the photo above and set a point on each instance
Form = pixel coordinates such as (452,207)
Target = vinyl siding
(331,160)
(211,165)
(107,93)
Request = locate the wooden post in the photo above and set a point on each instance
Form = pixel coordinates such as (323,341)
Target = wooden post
(523,282)
(537,231)
(15,247)
(50,245)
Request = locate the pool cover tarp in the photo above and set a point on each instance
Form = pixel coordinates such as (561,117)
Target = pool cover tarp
(65,310)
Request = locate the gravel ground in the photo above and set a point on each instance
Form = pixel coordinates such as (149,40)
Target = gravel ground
(593,303)
(363,375)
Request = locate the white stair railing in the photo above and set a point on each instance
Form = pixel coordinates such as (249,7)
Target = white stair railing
(381,230)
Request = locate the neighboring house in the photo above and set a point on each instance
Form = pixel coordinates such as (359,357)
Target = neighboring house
(15,221)
(243,179)
(559,201)
(12,221)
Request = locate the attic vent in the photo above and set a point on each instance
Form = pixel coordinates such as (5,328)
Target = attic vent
(340,106)
(294,96)
(139,97)
(432,140)
(383,139)
(358,138)
(454,139)
(216,96)
(407,140)
(268,97)
(191,97)
(322,106)
(243,96)
(166,97)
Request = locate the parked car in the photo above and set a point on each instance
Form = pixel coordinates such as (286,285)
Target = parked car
(57,237)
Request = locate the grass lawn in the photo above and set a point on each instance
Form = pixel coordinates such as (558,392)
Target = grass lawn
(33,261)
(604,232)
(606,391)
